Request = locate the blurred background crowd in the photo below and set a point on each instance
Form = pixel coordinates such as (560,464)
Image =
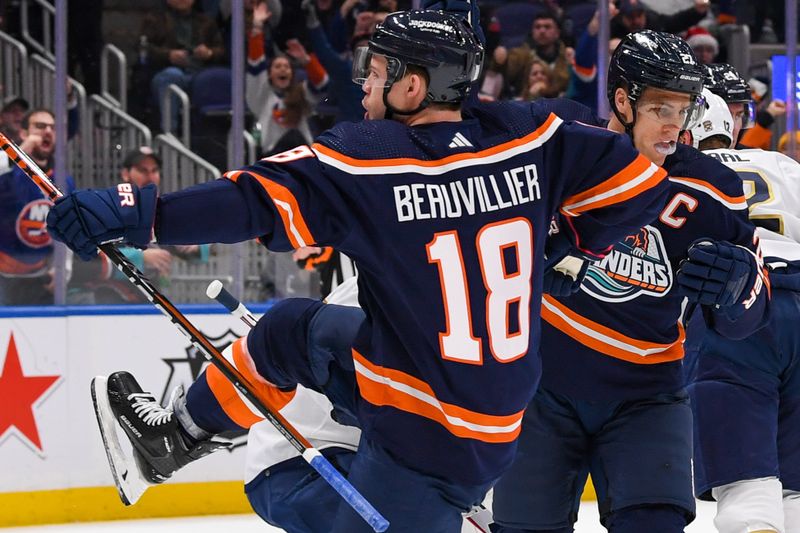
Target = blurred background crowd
(149,99)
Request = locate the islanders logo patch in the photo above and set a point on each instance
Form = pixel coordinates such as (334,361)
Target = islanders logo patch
(32,224)
(636,266)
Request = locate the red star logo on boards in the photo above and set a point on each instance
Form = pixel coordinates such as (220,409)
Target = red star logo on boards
(18,393)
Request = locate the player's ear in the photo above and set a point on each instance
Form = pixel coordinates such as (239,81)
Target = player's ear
(417,87)
(126,175)
(623,104)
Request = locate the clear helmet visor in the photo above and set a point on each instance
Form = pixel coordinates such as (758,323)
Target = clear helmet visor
(375,70)
(696,111)
(744,111)
(684,116)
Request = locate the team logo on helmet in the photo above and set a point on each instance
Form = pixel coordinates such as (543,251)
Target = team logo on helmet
(32,224)
(708,126)
(636,266)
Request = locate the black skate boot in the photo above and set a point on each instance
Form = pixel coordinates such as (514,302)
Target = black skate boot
(159,447)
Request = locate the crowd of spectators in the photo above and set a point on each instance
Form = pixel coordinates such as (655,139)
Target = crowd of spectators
(98,281)
(299,57)
(299,52)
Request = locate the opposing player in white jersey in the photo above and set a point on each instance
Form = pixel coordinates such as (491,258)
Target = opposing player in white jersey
(746,394)
(771,181)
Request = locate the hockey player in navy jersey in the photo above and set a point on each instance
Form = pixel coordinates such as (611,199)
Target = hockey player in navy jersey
(447,220)
(611,401)
(746,394)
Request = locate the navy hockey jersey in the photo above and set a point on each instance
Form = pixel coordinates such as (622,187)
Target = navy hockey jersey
(25,245)
(621,336)
(447,223)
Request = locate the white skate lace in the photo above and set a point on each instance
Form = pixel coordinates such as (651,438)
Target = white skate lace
(148,410)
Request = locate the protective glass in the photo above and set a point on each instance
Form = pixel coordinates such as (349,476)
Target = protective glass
(374,74)
(668,114)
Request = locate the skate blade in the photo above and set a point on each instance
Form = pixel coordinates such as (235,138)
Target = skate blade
(130,484)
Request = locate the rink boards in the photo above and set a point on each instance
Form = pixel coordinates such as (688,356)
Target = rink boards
(52,463)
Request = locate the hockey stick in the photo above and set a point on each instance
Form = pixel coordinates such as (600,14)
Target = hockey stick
(216,291)
(309,453)
(479,516)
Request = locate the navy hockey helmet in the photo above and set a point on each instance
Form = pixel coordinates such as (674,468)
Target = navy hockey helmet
(724,81)
(442,44)
(658,60)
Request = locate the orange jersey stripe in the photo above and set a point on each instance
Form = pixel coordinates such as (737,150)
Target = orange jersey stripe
(654,179)
(286,204)
(316,72)
(605,340)
(494,150)
(229,398)
(323,257)
(585,73)
(384,386)
(733,202)
(632,180)
(10,265)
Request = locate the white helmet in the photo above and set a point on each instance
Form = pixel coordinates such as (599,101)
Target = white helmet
(717,120)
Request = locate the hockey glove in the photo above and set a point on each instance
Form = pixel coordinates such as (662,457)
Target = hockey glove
(87,218)
(565,278)
(720,274)
(557,247)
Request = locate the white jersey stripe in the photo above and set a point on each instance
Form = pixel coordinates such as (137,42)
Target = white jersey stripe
(713,194)
(635,182)
(290,214)
(447,167)
(605,339)
(433,401)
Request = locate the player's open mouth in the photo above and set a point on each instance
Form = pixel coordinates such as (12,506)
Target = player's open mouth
(666,148)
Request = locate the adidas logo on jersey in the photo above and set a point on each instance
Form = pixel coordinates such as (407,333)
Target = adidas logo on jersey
(459,141)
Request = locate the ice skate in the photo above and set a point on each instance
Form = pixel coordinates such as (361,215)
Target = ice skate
(159,447)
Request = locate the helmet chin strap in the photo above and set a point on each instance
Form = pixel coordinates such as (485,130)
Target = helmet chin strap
(391,111)
(633,92)
(627,125)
